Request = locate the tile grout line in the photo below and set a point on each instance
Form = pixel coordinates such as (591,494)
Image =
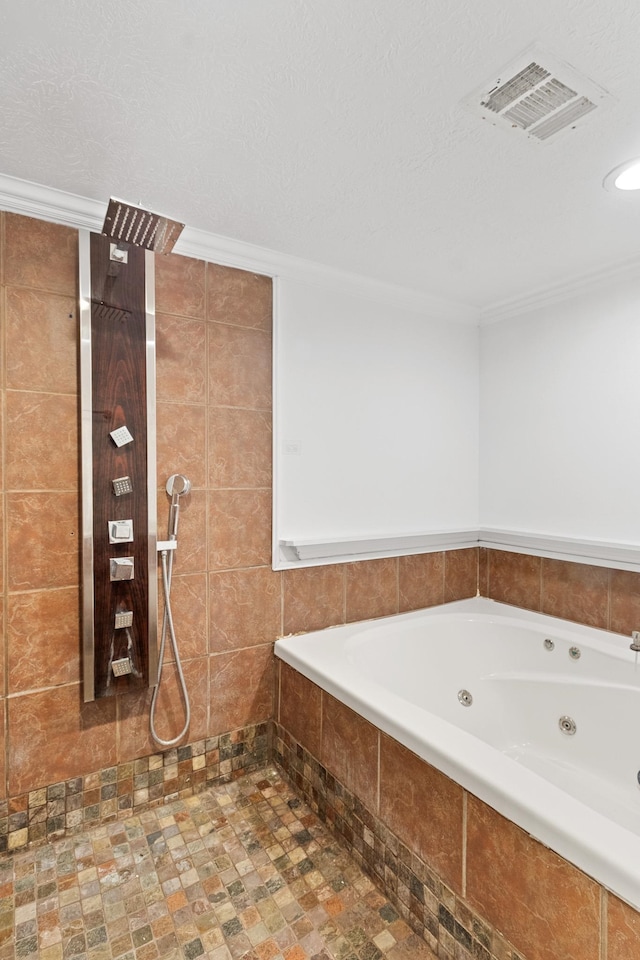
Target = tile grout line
(464,843)
(282,603)
(4,547)
(344,592)
(278,687)
(604,928)
(207,515)
(379,791)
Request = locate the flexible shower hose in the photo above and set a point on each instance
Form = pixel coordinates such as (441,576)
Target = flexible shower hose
(167,622)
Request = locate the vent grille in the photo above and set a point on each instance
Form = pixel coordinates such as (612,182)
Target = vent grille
(522,83)
(564,118)
(538,105)
(538,96)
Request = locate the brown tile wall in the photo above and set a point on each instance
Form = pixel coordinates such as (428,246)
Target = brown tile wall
(463,875)
(543,904)
(424,808)
(596,596)
(214,425)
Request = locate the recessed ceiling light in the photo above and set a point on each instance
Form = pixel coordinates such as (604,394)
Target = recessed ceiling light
(625,178)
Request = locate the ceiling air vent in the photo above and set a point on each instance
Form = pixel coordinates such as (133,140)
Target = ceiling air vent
(537,95)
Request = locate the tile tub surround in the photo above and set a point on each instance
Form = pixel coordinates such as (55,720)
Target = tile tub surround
(596,596)
(244,600)
(242,870)
(472,883)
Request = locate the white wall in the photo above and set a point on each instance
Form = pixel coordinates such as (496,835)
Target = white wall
(376,419)
(560,425)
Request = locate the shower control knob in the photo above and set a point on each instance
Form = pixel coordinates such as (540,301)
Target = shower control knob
(121,568)
(120,531)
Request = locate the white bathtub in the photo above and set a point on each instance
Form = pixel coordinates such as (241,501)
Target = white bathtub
(579,794)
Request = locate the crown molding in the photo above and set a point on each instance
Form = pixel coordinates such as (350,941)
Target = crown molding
(556,293)
(46,203)
(246,256)
(58,206)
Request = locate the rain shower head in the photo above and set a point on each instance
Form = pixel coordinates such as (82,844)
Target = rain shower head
(127,223)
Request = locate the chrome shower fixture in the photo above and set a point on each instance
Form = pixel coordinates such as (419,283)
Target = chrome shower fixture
(128,223)
(178,485)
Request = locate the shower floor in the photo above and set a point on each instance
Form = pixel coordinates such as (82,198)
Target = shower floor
(243,870)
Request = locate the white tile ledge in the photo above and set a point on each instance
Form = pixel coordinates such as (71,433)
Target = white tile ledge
(306,552)
(598,553)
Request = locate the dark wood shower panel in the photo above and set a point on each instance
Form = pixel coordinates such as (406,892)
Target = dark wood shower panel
(118,370)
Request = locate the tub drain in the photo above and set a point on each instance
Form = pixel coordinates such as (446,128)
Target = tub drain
(465,698)
(567,725)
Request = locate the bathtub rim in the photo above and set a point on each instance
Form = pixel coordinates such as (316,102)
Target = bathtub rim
(603,849)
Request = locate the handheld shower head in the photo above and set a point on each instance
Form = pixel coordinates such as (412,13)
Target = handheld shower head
(178,485)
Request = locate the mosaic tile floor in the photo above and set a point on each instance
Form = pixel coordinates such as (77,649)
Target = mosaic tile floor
(244,870)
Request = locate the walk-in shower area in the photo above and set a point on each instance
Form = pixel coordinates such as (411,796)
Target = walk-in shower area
(141,814)
(241,870)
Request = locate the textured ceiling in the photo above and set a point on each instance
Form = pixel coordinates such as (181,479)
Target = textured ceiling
(332,130)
